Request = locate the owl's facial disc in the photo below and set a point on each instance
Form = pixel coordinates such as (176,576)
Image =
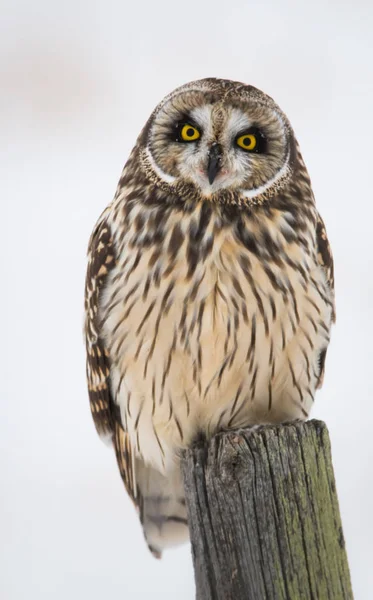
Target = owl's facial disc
(219,144)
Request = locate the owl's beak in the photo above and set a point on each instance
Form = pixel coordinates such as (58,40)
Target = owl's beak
(214,161)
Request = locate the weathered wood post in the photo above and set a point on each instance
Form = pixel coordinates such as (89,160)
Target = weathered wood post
(264,516)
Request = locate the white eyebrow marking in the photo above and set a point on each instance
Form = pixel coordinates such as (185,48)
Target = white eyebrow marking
(202,116)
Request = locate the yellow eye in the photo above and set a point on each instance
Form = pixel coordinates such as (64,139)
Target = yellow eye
(247,141)
(189,133)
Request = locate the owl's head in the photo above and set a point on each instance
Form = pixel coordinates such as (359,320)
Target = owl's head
(225,140)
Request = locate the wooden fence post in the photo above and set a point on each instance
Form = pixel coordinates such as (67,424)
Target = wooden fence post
(264,517)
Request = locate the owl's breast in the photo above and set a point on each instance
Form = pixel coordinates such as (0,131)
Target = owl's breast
(211,336)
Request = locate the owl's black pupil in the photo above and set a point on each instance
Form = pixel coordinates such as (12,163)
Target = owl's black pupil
(190,132)
(247,142)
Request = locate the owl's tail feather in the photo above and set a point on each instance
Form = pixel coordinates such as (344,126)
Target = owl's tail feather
(162,508)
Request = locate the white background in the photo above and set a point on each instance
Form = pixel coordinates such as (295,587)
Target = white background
(78,79)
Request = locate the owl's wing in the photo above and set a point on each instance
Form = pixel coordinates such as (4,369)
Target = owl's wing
(158,499)
(106,415)
(325,259)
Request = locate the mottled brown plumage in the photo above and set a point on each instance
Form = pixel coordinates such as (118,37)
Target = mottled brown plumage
(208,303)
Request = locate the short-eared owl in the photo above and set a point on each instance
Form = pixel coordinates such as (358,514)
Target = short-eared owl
(209,291)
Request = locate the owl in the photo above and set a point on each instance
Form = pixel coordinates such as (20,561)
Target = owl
(209,291)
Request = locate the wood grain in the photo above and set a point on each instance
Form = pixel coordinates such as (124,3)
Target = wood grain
(264,517)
